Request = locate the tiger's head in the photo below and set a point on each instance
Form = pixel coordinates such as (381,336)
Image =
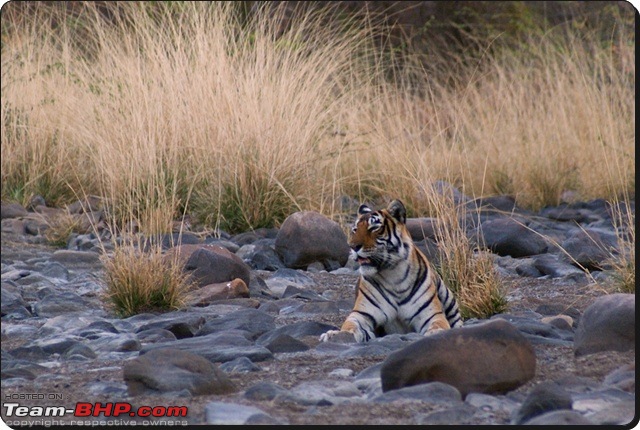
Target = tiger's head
(379,239)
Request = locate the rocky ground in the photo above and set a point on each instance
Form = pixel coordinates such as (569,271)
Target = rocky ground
(60,340)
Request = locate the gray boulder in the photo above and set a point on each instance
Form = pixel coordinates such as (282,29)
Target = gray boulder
(590,249)
(422,228)
(608,324)
(557,418)
(12,304)
(490,357)
(210,264)
(508,236)
(306,237)
(285,343)
(172,370)
(11,210)
(260,255)
(54,304)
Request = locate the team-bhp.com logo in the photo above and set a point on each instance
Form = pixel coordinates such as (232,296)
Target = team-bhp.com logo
(85,410)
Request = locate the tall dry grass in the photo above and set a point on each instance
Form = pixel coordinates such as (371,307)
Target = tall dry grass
(184,106)
(171,108)
(556,115)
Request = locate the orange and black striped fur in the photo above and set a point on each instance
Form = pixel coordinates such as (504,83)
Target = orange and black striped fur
(398,290)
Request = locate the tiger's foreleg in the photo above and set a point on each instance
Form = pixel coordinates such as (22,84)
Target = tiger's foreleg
(361,329)
(431,321)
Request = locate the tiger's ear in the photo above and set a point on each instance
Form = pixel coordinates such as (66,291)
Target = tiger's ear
(397,210)
(363,209)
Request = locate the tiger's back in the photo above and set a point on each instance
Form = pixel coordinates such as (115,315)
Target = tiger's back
(398,290)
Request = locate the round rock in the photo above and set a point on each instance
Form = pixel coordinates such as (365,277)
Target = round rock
(608,324)
(490,357)
(507,236)
(306,237)
(211,264)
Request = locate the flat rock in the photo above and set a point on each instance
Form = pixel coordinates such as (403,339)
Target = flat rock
(431,392)
(69,258)
(207,294)
(220,413)
(254,321)
(559,418)
(321,393)
(240,365)
(54,304)
(181,324)
(229,345)
(265,390)
(556,266)
(169,370)
(11,210)
(296,330)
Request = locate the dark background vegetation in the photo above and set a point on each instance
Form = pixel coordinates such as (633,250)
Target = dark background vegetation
(417,24)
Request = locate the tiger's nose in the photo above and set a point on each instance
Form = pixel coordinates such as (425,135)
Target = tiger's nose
(356,248)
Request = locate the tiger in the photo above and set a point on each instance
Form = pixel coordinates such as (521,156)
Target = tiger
(398,291)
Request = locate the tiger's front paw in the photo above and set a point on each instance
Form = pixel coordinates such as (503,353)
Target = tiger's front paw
(339,336)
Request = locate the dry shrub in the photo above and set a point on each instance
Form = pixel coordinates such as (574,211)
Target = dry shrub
(470,275)
(624,263)
(143,281)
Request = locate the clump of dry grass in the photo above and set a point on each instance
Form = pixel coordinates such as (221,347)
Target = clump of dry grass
(143,281)
(624,263)
(470,275)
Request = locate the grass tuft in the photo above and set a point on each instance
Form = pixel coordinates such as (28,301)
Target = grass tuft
(624,262)
(140,282)
(470,275)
